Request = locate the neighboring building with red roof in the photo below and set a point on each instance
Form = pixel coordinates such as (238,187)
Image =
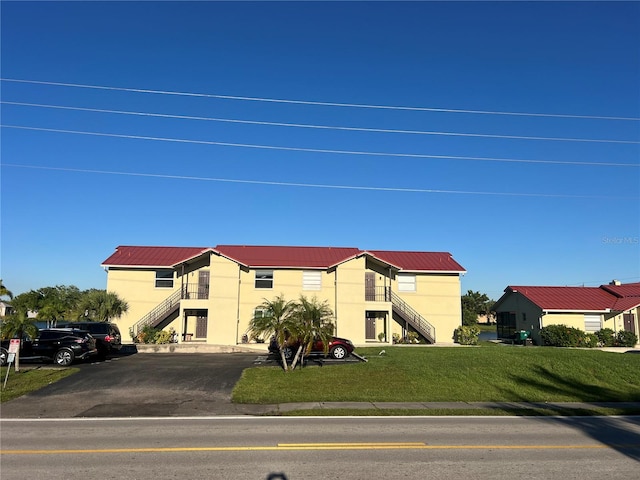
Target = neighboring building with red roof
(615,306)
(209,294)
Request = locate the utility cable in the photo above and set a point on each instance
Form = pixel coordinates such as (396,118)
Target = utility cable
(320,150)
(305,125)
(315,103)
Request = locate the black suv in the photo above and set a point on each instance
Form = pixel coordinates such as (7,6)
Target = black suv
(60,345)
(107,335)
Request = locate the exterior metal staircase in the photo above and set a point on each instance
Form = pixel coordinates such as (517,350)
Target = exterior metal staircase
(159,313)
(412,317)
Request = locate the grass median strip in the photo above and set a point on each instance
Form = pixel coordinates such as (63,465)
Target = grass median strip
(30,379)
(474,374)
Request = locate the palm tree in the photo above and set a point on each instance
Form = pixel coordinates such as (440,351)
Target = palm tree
(273,318)
(4,292)
(103,305)
(19,324)
(313,322)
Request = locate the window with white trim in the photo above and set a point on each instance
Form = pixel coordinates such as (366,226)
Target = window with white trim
(264,279)
(406,282)
(312,280)
(592,323)
(164,278)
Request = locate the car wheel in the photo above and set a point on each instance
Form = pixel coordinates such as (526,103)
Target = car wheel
(4,355)
(288,353)
(339,352)
(63,357)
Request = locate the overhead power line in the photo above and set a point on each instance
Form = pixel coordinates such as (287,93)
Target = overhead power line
(316,103)
(324,127)
(312,185)
(320,150)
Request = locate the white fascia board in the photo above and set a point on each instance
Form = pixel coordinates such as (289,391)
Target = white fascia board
(546,311)
(434,271)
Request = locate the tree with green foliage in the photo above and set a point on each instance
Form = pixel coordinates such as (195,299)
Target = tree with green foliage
(18,324)
(312,322)
(474,304)
(102,306)
(273,318)
(62,302)
(4,292)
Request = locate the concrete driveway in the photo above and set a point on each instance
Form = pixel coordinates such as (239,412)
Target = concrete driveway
(141,385)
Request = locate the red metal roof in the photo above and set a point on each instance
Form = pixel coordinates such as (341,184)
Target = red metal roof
(308,257)
(582,298)
(151,256)
(280,256)
(419,261)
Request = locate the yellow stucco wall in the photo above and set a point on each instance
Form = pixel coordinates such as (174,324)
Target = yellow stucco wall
(137,288)
(575,320)
(437,299)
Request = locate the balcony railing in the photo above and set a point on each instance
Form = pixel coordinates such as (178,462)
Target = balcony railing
(377,294)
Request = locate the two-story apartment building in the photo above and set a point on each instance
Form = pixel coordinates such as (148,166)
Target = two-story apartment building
(210,294)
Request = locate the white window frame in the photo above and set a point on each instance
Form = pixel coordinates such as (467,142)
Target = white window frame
(406,282)
(589,320)
(164,281)
(263,279)
(312,280)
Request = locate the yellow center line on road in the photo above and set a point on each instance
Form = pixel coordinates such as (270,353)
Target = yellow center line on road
(310,446)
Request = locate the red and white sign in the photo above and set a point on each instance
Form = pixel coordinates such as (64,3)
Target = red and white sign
(14,345)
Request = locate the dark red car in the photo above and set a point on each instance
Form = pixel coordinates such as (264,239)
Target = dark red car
(339,348)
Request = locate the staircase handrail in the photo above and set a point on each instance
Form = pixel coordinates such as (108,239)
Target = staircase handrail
(158,312)
(413,317)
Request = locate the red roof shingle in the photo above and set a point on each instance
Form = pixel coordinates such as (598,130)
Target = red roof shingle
(582,298)
(151,256)
(281,256)
(265,256)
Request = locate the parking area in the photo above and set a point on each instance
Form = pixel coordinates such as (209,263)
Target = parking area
(141,385)
(148,384)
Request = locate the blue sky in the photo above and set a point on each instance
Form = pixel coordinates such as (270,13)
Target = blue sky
(549,210)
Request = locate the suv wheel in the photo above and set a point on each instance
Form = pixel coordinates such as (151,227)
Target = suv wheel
(339,352)
(63,357)
(4,355)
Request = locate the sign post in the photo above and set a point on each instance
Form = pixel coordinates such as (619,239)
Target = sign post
(13,354)
(14,347)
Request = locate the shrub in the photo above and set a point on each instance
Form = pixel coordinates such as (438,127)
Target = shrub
(606,337)
(591,340)
(466,335)
(163,337)
(562,336)
(148,334)
(412,337)
(396,338)
(626,339)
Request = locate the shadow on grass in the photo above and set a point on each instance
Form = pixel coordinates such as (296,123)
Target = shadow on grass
(619,433)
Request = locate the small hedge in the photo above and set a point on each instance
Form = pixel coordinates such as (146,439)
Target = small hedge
(466,335)
(564,336)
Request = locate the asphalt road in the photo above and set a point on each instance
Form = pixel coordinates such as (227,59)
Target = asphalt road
(323,448)
(143,385)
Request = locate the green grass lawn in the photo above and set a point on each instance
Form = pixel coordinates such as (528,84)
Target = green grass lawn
(30,380)
(436,374)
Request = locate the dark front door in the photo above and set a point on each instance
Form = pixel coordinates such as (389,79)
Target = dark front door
(370,286)
(370,328)
(201,326)
(203,284)
(629,322)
